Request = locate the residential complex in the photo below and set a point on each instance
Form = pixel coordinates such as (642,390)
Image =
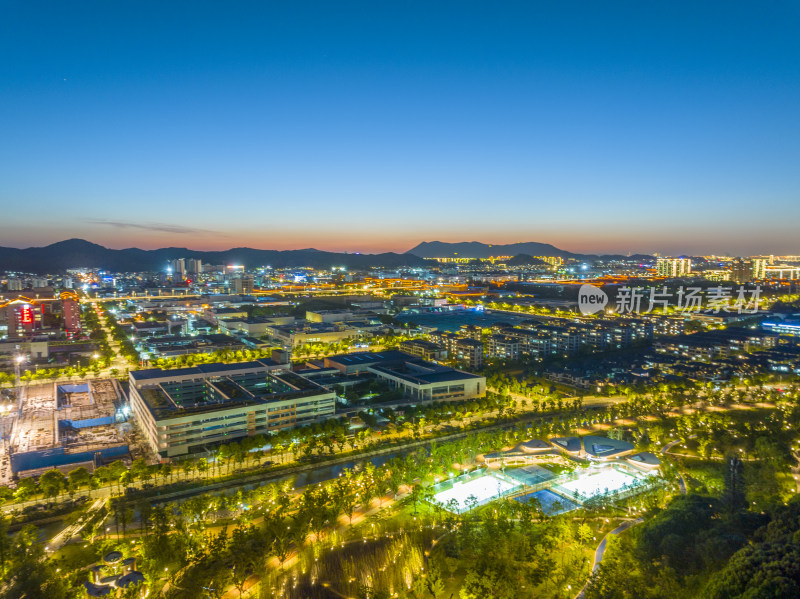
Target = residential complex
(673,267)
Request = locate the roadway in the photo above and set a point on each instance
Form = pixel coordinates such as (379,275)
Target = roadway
(69,531)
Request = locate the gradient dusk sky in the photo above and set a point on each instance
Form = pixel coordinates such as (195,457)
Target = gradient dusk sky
(668,127)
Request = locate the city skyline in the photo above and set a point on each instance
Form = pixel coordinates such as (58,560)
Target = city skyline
(355,128)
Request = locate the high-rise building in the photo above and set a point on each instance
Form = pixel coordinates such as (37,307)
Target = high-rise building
(23,318)
(72,316)
(178,267)
(673,267)
(760,267)
(554,261)
(741,271)
(14,284)
(194,266)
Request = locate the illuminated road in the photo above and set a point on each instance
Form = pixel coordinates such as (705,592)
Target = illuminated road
(211,298)
(76,527)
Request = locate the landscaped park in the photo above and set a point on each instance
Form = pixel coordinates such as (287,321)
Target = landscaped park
(502,506)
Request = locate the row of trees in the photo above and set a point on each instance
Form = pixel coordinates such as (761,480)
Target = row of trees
(766,437)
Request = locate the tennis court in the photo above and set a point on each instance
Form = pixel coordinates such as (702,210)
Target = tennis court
(530,475)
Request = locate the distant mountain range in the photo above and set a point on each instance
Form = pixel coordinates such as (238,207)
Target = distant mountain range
(74,253)
(476,249)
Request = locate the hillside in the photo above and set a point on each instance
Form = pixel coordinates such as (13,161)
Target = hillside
(74,253)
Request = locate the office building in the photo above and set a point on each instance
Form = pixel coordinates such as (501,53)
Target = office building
(190,410)
(23,317)
(782,271)
(416,378)
(242,284)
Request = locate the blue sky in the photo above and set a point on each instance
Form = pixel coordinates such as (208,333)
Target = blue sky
(372,126)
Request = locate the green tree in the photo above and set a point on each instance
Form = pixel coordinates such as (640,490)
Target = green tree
(52,483)
(79,477)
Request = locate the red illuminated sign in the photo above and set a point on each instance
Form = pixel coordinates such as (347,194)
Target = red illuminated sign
(26,315)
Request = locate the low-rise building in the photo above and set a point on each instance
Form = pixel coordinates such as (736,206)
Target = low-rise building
(417,378)
(503,346)
(423,349)
(468,352)
(189,410)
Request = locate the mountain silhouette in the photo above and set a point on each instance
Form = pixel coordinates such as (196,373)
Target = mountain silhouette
(74,253)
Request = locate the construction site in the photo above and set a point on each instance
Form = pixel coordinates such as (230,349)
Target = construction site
(63,426)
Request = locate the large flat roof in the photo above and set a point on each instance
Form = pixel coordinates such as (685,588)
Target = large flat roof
(402,365)
(200,371)
(179,398)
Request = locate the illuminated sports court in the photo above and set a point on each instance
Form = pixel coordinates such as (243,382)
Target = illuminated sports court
(607,480)
(584,485)
(484,488)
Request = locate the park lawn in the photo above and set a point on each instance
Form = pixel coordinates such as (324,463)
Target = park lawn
(561,554)
(76,556)
(699,473)
(396,516)
(690,447)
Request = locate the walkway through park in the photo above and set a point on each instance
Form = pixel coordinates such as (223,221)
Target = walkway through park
(601,548)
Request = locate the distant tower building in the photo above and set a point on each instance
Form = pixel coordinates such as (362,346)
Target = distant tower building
(741,271)
(243,284)
(14,284)
(194,266)
(72,315)
(673,267)
(178,269)
(760,267)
